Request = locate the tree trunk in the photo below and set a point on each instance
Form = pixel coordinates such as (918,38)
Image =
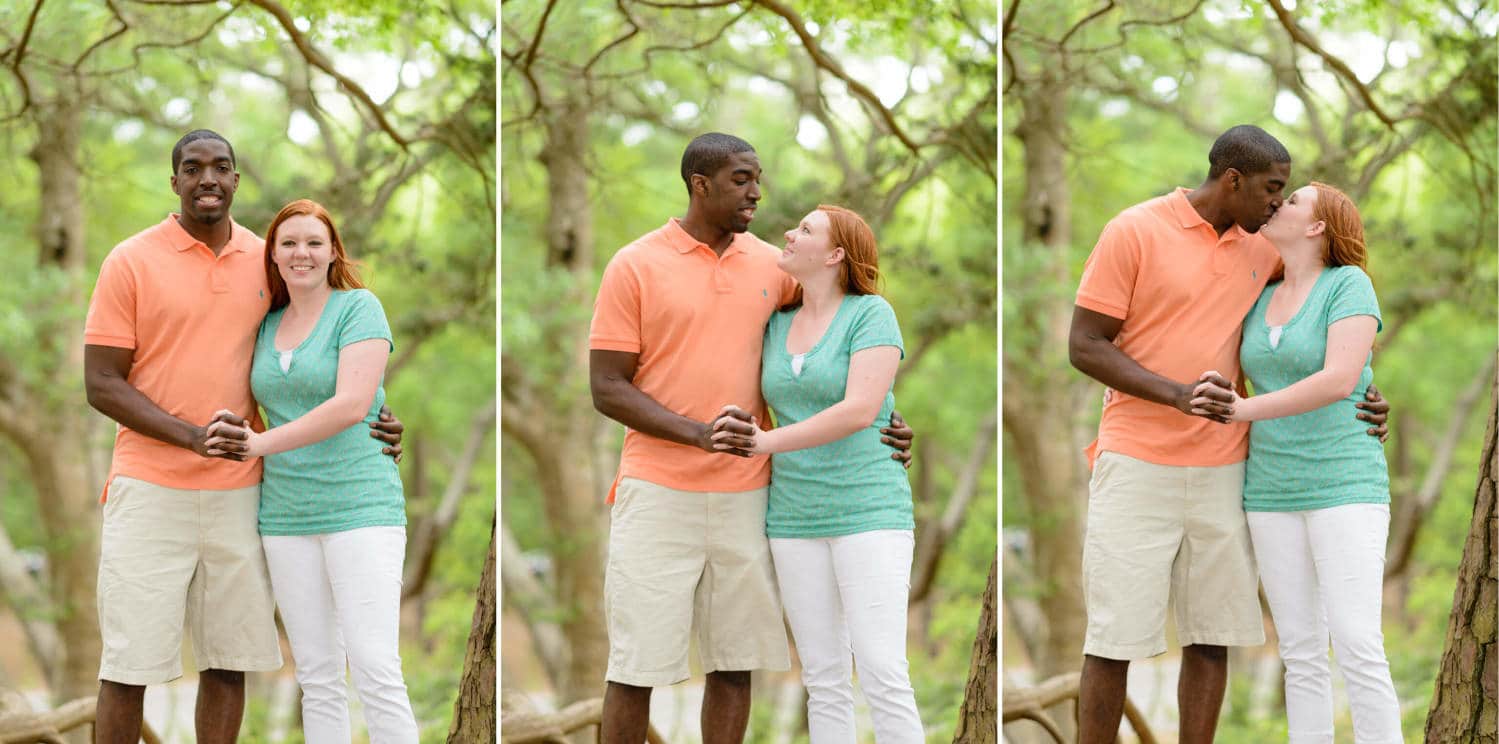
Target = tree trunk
(568,464)
(474,712)
(1040,415)
(1463,706)
(978,721)
(57,428)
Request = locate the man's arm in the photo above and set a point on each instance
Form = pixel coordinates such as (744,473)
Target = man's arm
(1091,349)
(611,376)
(106,372)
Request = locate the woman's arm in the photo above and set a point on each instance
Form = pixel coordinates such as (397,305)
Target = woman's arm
(1348,343)
(871,372)
(360,366)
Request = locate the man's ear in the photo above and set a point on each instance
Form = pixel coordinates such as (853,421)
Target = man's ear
(1234,178)
(699,184)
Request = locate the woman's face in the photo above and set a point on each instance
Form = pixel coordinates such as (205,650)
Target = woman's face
(303,251)
(809,246)
(1294,217)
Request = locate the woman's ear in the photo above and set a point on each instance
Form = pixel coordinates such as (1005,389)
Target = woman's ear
(835,256)
(1316,228)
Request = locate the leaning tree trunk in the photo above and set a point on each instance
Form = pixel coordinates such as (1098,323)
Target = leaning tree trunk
(978,721)
(1040,414)
(1463,706)
(50,422)
(473,711)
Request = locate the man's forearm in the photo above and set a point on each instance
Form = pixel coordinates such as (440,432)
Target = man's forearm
(129,407)
(626,404)
(1104,362)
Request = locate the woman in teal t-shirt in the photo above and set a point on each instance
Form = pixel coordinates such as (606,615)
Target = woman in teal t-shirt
(1316,487)
(332,514)
(839,516)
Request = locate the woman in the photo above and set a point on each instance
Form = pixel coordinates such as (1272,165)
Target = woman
(1317,489)
(839,516)
(332,514)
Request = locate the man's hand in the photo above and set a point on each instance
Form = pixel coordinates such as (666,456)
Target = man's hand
(226,436)
(1212,398)
(388,429)
(732,433)
(898,435)
(1375,410)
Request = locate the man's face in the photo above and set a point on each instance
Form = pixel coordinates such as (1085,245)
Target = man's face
(205,180)
(1258,195)
(730,196)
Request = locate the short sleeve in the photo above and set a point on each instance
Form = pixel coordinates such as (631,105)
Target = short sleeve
(111,311)
(1108,282)
(1353,294)
(788,289)
(616,310)
(363,318)
(874,325)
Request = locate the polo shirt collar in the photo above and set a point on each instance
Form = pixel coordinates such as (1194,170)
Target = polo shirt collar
(1188,217)
(685,243)
(180,239)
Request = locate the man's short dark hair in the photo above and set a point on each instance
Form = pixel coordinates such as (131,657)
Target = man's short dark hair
(1247,149)
(706,153)
(194,136)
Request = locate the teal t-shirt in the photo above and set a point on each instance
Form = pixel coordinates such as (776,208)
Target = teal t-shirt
(842,487)
(343,482)
(1324,457)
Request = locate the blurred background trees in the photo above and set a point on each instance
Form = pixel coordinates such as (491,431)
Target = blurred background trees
(890,111)
(382,111)
(1107,105)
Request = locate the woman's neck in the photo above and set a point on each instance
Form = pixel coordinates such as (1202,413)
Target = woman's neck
(308,300)
(1303,263)
(821,293)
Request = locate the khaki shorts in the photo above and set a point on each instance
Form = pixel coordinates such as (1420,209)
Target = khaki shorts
(684,563)
(1159,533)
(171,557)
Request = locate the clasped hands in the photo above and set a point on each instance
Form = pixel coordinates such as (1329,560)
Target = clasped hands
(1214,398)
(228,435)
(736,432)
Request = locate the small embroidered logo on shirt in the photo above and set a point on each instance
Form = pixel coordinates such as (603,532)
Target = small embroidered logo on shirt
(764,293)
(1253,274)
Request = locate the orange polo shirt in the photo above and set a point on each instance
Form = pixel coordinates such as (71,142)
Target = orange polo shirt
(697,320)
(1182,292)
(191,318)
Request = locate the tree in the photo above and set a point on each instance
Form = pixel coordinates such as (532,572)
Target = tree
(1465,703)
(473,711)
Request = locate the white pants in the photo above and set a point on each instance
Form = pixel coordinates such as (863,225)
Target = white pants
(1323,572)
(340,599)
(847,596)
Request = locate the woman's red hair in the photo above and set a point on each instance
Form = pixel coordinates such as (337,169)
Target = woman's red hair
(342,272)
(1345,228)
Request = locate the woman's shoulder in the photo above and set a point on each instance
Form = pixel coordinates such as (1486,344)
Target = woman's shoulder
(1349,278)
(871,303)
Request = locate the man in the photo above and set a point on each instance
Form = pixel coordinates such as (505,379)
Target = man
(676,334)
(1162,299)
(168,341)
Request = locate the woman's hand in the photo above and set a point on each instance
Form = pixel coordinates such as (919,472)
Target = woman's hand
(1216,398)
(734,429)
(225,427)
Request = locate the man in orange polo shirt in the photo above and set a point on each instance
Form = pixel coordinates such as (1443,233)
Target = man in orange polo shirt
(168,341)
(1162,297)
(677,330)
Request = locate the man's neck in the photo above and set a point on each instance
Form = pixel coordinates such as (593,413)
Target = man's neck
(1207,202)
(215,235)
(716,238)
